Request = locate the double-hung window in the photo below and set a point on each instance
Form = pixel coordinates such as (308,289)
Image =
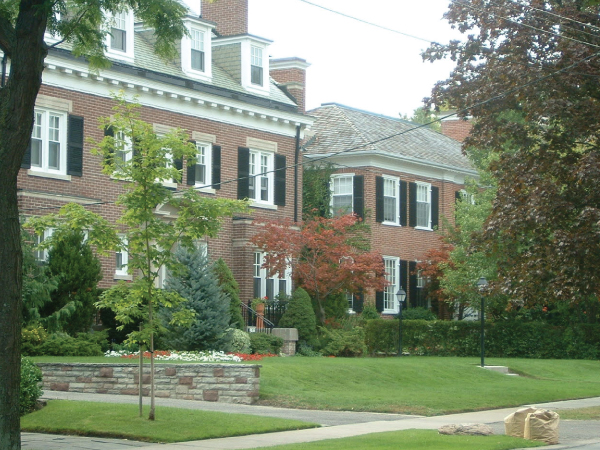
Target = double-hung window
(41,255)
(203,164)
(49,142)
(118,32)
(342,193)
(392,276)
(261,176)
(122,258)
(256,65)
(391,200)
(123,150)
(270,287)
(423,205)
(197,50)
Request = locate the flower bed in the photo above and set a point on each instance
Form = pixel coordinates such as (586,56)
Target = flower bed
(206,356)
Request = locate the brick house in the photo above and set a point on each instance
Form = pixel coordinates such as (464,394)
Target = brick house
(400,179)
(221,89)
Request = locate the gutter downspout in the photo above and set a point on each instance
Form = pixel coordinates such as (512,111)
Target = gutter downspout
(296,161)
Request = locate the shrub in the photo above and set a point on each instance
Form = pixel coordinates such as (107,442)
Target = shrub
(344,342)
(240,341)
(32,337)
(61,344)
(369,312)
(300,315)
(418,314)
(263,343)
(31,378)
(381,336)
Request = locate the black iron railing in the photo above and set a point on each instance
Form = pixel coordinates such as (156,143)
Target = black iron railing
(265,320)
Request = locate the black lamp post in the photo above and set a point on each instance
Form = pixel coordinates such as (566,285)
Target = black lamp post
(482,285)
(401,294)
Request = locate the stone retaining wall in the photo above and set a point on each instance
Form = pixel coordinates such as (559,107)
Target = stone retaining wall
(227,383)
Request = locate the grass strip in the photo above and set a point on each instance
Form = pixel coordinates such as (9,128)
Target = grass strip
(171,424)
(592,413)
(415,440)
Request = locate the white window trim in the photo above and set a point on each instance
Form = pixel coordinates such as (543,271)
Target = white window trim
(128,54)
(396,180)
(390,290)
(428,186)
(42,255)
(207,163)
(44,170)
(247,67)
(186,52)
(332,187)
(260,272)
(123,273)
(269,174)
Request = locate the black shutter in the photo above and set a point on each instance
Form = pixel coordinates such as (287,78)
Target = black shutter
(178,164)
(75,146)
(457,196)
(26,161)
(216,167)
(435,206)
(359,200)
(109,131)
(412,285)
(379,301)
(412,204)
(403,203)
(359,302)
(191,170)
(280,172)
(379,199)
(404,278)
(243,190)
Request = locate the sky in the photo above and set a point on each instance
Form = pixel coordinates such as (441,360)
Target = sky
(353,63)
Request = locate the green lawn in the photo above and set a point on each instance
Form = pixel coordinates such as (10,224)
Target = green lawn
(415,440)
(592,413)
(422,385)
(171,424)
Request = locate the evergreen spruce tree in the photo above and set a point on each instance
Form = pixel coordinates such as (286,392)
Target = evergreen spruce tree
(198,284)
(230,287)
(300,315)
(78,271)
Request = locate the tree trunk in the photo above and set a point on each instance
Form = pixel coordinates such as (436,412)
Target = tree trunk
(26,49)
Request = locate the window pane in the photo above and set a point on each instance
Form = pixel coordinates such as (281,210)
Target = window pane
(198,60)
(36,153)
(270,288)
(200,174)
(118,40)
(119,259)
(389,209)
(256,75)
(423,214)
(257,291)
(264,189)
(54,155)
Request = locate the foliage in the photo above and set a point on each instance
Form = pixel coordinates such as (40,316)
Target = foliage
(424,116)
(117,333)
(239,341)
(197,283)
(369,312)
(316,193)
(263,343)
(31,380)
(300,315)
(61,344)
(540,75)
(323,257)
(347,343)
(32,336)
(418,314)
(381,336)
(71,261)
(230,287)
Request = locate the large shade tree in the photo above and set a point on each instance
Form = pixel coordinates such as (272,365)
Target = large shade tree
(527,73)
(22,26)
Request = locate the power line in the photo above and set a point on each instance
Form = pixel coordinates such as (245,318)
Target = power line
(558,16)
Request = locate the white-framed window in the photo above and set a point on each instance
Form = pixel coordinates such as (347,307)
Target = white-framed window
(123,150)
(261,182)
(197,54)
(41,255)
(256,65)
(392,276)
(467,197)
(269,287)
(119,40)
(203,164)
(122,258)
(391,200)
(423,205)
(342,194)
(49,142)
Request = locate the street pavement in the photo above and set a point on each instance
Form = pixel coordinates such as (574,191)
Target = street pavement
(580,435)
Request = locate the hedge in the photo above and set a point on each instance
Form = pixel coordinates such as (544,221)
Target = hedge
(502,339)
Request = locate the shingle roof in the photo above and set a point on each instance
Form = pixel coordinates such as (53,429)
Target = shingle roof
(339,128)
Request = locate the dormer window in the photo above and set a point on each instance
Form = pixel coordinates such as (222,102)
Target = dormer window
(197,50)
(119,39)
(256,69)
(118,32)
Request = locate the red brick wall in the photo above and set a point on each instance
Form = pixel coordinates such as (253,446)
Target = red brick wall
(231,16)
(95,186)
(456,129)
(293,77)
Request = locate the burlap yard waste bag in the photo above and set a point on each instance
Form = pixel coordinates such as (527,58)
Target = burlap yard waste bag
(542,425)
(514,424)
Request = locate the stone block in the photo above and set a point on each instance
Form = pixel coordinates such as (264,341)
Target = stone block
(170,371)
(145,379)
(218,372)
(186,380)
(210,396)
(241,380)
(106,372)
(59,387)
(66,368)
(287,334)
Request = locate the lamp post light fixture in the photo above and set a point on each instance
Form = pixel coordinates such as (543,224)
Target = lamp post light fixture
(482,285)
(401,294)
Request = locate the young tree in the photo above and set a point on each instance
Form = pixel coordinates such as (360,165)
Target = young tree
(538,61)
(197,283)
(230,287)
(323,257)
(22,27)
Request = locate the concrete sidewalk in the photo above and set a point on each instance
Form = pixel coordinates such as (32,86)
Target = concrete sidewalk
(574,434)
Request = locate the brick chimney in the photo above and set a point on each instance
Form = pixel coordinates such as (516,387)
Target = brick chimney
(290,73)
(231,16)
(455,127)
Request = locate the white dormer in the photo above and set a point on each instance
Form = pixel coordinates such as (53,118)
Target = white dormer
(196,50)
(250,53)
(119,40)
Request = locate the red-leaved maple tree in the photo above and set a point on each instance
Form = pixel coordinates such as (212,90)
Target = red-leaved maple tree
(324,257)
